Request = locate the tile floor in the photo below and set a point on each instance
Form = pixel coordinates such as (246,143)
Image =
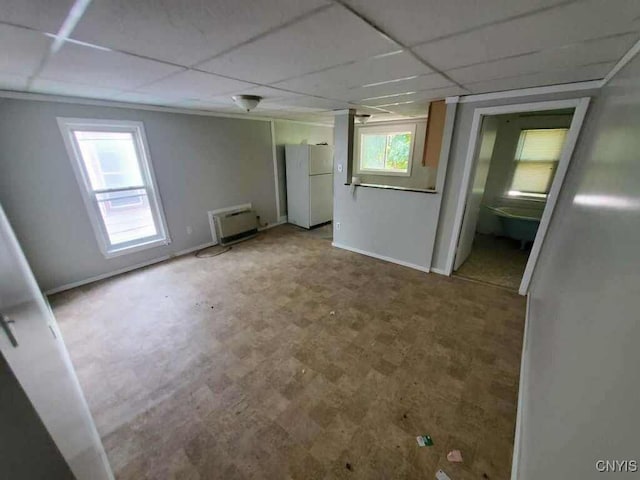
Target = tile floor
(495,260)
(286,358)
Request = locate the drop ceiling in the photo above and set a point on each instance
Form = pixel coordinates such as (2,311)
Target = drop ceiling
(307,57)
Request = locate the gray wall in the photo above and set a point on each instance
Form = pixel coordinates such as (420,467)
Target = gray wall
(502,164)
(294,133)
(580,389)
(455,167)
(395,225)
(201,163)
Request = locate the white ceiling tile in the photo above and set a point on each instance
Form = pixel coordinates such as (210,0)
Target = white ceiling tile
(44,15)
(411,109)
(336,82)
(304,102)
(192,84)
(138,97)
(578,74)
(436,93)
(331,37)
(576,55)
(54,87)
(90,66)
(9,81)
(184,32)
(560,26)
(22,50)
(415,21)
(423,82)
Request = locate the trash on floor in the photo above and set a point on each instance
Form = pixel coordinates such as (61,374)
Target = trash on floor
(332,313)
(440,475)
(454,456)
(348,467)
(424,440)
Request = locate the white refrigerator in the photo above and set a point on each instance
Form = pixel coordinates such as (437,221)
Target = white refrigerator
(309,170)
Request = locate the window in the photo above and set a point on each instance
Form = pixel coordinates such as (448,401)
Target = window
(536,160)
(111,161)
(386,150)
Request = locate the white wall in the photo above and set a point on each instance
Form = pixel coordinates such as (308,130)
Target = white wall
(294,133)
(396,225)
(455,167)
(201,163)
(580,389)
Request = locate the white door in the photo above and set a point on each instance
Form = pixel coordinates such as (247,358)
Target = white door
(320,199)
(32,346)
(474,199)
(320,159)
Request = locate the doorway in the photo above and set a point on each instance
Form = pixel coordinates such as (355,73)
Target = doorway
(516,162)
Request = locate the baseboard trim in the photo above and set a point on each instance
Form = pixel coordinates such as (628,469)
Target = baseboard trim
(381,257)
(274,224)
(103,276)
(439,271)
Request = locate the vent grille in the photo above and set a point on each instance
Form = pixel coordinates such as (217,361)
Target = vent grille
(236,226)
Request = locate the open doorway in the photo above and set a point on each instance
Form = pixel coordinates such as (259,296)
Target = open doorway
(516,163)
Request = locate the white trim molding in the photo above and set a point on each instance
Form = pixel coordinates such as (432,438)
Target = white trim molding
(580,105)
(526,92)
(274,155)
(44,97)
(626,58)
(517,441)
(381,257)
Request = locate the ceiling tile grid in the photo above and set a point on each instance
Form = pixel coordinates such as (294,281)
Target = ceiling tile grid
(338,81)
(328,38)
(43,15)
(23,50)
(103,68)
(184,33)
(308,57)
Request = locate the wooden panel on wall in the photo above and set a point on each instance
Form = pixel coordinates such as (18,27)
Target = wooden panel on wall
(435,129)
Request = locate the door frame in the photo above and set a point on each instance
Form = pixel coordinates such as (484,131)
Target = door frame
(580,106)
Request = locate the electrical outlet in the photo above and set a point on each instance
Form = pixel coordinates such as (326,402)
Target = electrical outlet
(189,230)
(337,225)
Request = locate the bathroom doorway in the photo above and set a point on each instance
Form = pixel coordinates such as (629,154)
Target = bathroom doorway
(516,164)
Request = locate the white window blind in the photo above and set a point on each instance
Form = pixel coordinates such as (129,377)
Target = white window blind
(536,160)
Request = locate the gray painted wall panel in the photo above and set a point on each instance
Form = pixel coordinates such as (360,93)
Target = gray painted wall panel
(581,356)
(201,163)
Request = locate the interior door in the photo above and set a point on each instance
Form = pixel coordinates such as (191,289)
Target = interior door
(33,348)
(487,141)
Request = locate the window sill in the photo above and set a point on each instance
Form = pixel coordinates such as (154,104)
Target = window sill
(393,187)
(136,248)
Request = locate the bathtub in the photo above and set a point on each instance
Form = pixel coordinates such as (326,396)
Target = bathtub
(518,223)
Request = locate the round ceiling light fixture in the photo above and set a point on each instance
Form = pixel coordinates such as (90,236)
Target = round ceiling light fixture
(247,102)
(363,118)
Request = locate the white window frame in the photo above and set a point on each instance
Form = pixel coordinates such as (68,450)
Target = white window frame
(386,129)
(67,127)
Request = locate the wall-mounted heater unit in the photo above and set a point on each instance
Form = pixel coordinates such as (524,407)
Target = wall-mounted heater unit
(233,227)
